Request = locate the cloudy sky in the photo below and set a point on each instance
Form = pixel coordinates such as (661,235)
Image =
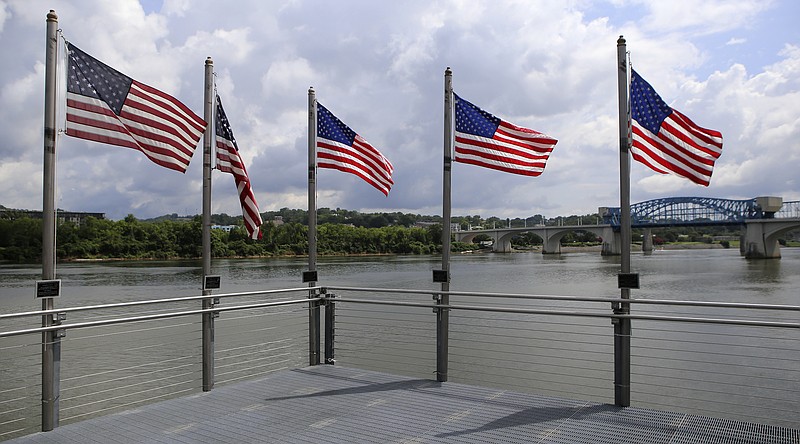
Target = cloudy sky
(730,65)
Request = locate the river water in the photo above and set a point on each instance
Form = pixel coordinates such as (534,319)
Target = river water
(702,274)
(748,373)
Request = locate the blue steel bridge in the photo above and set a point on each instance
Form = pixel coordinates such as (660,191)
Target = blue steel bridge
(699,211)
(763,221)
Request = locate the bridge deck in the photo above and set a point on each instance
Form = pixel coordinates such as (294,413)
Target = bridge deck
(336,404)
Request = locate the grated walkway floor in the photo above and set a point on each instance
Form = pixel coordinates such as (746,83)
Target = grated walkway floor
(327,404)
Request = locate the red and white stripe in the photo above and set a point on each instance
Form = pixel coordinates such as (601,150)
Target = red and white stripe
(361,159)
(513,149)
(681,148)
(229,161)
(150,121)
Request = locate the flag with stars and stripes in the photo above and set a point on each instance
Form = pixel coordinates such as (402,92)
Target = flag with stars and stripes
(107,106)
(340,148)
(667,141)
(488,141)
(229,161)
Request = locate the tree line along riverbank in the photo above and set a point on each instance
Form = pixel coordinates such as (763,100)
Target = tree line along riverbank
(340,232)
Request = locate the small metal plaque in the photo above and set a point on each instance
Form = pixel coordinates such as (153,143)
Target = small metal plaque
(211,282)
(441,276)
(628,280)
(310,276)
(48,289)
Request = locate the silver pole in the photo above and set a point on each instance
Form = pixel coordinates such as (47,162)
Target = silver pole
(313,308)
(442,314)
(622,328)
(51,344)
(208,136)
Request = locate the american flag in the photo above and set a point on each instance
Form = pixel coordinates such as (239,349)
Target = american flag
(107,106)
(485,140)
(666,140)
(340,148)
(229,161)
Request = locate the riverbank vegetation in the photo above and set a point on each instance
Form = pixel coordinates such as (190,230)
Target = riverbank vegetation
(285,232)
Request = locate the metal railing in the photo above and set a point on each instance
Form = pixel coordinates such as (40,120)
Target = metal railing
(736,360)
(723,359)
(115,359)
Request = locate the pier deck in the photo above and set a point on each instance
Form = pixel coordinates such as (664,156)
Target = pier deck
(335,404)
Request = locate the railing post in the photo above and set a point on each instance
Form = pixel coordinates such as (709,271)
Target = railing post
(51,368)
(622,356)
(330,329)
(208,343)
(313,330)
(442,337)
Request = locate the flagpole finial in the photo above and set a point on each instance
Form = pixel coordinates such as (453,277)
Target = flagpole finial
(52,16)
(621,40)
(448,71)
(209,61)
(310,89)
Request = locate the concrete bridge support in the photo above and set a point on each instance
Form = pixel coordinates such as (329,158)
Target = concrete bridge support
(612,243)
(551,245)
(759,242)
(647,241)
(502,244)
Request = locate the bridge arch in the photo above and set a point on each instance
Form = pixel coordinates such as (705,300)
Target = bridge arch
(684,211)
(551,237)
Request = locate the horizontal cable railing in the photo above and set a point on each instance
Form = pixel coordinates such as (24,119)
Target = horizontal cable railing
(257,342)
(401,340)
(686,355)
(122,355)
(20,386)
(732,360)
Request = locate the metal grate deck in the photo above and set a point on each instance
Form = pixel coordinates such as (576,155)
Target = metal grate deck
(345,405)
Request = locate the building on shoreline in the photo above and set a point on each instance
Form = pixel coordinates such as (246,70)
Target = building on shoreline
(76,217)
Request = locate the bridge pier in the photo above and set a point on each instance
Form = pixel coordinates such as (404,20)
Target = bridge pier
(501,244)
(612,243)
(551,245)
(760,241)
(647,241)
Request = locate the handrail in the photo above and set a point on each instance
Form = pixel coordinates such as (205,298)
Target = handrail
(331,296)
(574,298)
(576,313)
(153,317)
(153,301)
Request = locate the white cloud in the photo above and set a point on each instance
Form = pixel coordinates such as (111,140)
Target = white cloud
(229,46)
(288,77)
(16,92)
(379,66)
(176,7)
(21,183)
(702,18)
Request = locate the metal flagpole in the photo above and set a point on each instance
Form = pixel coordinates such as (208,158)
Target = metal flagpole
(622,327)
(208,136)
(51,342)
(311,274)
(442,314)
